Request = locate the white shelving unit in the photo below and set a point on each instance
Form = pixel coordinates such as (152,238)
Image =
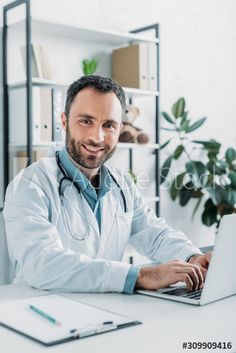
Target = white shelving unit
(77,42)
(66,45)
(121,145)
(73,31)
(130,92)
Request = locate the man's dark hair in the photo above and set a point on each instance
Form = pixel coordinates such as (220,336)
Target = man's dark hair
(100,84)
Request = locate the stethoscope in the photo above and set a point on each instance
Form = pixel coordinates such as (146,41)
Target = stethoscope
(61,191)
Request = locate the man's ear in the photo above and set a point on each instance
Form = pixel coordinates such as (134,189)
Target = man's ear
(64,121)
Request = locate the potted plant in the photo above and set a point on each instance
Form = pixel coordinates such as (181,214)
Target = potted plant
(210,180)
(89,66)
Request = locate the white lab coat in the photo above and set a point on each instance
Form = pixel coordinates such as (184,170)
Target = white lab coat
(45,255)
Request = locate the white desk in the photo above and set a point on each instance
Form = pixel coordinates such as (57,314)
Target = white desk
(166,325)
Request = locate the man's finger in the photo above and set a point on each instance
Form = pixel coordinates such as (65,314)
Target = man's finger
(203,271)
(194,273)
(184,277)
(201,277)
(190,270)
(208,256)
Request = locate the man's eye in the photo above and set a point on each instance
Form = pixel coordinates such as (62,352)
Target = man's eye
(85,121)
(109,126)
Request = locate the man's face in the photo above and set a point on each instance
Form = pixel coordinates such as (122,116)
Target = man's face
(93,127)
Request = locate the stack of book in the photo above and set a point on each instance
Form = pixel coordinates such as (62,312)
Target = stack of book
(39,61)
(47,107)
(136,66)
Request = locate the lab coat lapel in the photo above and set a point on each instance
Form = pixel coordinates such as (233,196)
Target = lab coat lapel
(92,220)
(109,207)
(72,194)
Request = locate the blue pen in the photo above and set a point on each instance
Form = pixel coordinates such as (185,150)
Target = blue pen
(44,315)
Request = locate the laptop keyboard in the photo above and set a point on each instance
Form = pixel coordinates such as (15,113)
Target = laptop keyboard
(182,292)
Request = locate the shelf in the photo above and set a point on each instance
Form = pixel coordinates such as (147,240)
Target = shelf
(61,29)
(122,145)
(63,85)
(35,146)
(42,82)
(152,199)
(139,92)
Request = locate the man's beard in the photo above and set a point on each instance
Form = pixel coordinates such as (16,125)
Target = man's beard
(89,162)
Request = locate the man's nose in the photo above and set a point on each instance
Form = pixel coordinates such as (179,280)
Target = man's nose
(98,134)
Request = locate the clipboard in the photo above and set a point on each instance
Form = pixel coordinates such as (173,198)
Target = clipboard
(77,320)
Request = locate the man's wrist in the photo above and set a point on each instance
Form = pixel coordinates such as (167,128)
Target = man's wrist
(139,280)
(145,278)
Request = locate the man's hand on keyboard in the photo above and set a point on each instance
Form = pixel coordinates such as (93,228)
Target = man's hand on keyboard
(201,260)
(160,276)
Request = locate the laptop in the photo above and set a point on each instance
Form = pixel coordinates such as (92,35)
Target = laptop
(220,281)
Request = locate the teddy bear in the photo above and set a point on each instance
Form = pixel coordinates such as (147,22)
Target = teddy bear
(129,132)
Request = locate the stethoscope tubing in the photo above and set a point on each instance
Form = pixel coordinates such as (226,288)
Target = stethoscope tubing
(61,195)
(66,177)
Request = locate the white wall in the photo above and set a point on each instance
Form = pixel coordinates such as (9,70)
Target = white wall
(1,117)
(198,56)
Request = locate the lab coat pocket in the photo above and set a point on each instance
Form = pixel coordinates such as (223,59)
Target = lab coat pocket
(123,224)
(78,229)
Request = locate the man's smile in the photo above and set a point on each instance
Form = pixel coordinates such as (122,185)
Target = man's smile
(92,150)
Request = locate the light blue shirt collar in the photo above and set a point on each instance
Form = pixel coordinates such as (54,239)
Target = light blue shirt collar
(84,183)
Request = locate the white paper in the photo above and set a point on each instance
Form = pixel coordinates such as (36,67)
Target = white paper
(71,314)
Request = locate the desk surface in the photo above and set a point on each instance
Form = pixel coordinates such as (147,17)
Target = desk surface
(166,325)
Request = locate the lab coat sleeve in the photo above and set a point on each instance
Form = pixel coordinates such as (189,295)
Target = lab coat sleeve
(153,238)
(37,251)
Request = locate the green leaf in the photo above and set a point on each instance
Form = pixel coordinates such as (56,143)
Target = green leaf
(232,177)
(165,169)
(93,66)
(214,193)
(165,144)
(212,156)
(211,145)
(209,204)
(89,66)
(196,170)
(230,155)
(184,125)
(167,117)
(85,63)
(196,206)
(228,195)
(178,151)
(173,191)
(216,168)
(167,129)
(209,216)
(196,125)
(176,185)
(197,193)
(185,193)
(211,167)
(222,195)
(178,108)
